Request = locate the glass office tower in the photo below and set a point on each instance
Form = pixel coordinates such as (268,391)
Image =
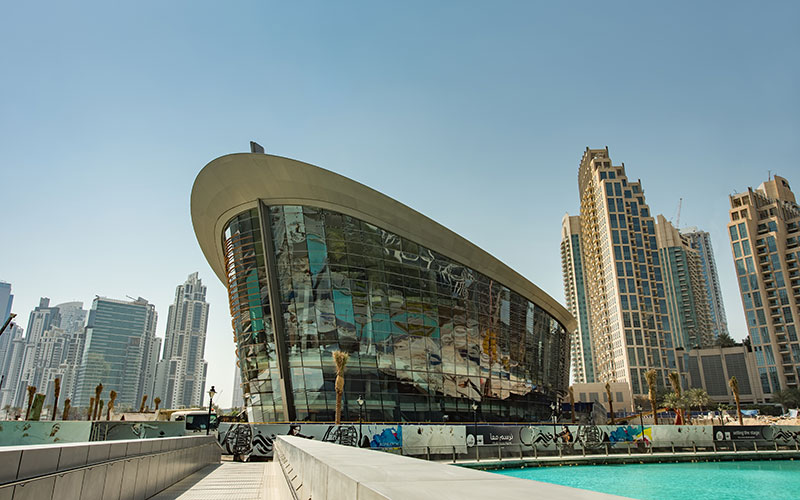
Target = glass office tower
(428,334)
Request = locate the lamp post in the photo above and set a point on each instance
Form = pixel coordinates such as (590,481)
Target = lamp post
(360,401)
(475,419)
(641,420)
(211,394)
(553,409)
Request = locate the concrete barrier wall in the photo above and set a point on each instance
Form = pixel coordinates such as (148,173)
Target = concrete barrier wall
(327,471)
(129,469)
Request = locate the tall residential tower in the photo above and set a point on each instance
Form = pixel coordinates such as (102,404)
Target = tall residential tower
(765,238)
(628,318)
(575,292)
(182,370)
(684,288)
(701,241)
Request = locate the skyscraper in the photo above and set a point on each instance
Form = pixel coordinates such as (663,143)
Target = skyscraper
(182,370)
(42,318)
(684,288)
(575,291)
(701,241)
(119,339)
(764,229)
(629,327)
(6,300)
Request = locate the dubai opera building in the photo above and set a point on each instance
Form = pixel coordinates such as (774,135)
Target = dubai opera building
(315,262)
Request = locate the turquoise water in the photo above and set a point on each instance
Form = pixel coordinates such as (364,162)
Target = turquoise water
(776,479)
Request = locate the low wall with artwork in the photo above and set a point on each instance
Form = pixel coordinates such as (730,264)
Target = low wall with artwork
(28,432)
(245,440)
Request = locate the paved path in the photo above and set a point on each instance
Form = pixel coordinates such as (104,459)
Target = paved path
(231,481)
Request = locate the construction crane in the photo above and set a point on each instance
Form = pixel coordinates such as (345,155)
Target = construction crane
(678,215)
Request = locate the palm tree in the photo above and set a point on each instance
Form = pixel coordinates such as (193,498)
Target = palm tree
(56,393)
(672,401)
(113,395)
(65,415)
(698,397)
(97,391)
(675,382)
(650,378)
(788,398)
(91,408)
(157,401)
(610,402)
(31,393)
(735,388)
(100,410)
(340,358)
(144,400)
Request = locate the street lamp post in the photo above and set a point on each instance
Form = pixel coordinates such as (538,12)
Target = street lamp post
(360,401)
(553,409)
(641,420)
(475,419)
(211,394)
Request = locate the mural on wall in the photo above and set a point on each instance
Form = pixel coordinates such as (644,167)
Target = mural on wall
(246,440)
(545,437)
(115,430)
(17,433)
(786,434)
(257,439)
(437,438)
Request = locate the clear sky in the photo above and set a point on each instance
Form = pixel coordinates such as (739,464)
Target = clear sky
(473,113)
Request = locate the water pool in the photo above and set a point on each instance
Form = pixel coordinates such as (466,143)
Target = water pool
(776,479)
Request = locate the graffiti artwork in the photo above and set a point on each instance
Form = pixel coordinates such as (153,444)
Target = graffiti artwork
(15,433)
(256,440)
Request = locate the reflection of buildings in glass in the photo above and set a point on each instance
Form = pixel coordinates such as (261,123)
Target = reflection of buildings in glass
(427,335)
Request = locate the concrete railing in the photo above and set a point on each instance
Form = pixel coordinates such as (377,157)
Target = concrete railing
(321,471)
(135,469)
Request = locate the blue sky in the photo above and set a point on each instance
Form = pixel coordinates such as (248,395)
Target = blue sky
(473,113)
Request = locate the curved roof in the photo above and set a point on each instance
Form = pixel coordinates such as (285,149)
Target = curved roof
(233,183)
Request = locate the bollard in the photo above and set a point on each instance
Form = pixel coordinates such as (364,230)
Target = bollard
(606,449)
(520,452)
(477,453)
(715,446)
(454,454)
(583,449)
(776,446)
(428,452)
(499,452)
(535,452)
(755,446)
(673,448)
(694,446)
(629,448)
(734,446)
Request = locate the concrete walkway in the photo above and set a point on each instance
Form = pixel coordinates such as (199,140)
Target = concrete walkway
(231,481)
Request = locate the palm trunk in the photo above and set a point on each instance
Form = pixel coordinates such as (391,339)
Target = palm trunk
(31,393)
(340,358)
(56,393)
(610,402)
(65,416)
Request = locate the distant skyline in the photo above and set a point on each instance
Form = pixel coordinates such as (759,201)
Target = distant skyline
(108,112)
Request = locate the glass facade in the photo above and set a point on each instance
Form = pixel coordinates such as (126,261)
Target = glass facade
(427,336)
